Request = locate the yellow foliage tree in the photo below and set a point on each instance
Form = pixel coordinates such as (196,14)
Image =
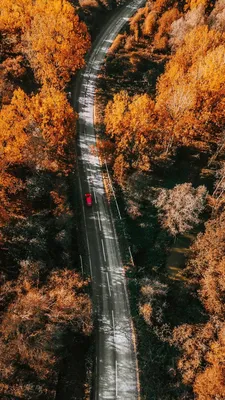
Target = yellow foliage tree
(190,4)
(211,383)
(14,126)
(14,144)
(38,130)
(190,92)
(54,120)
(49,34)
(15,16)
(161,37)
(130,122)
(55,42)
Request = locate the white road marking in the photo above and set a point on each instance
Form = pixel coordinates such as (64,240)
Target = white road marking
(90,263)
(113,323)
(95,197)
(103,249)
(116,380)
(99,224)
(81,264)
(107,275)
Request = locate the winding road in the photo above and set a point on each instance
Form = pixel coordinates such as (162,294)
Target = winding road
(115,375)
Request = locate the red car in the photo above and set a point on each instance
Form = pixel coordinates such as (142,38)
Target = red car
(88,199)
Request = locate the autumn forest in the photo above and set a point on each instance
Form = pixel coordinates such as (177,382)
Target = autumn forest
(162,132)
(42,296)
(160,123)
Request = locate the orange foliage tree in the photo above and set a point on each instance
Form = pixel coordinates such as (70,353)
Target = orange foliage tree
(191,4)
(14,120)
(54,122)
(161,38)
(190,93)
(202,363)
(14,127)
(210,383)
(189,105)
(206,265)
(15,16)
(195,341)
(37,130)
(49,34)
(55,42)
(149,24)
(130,123)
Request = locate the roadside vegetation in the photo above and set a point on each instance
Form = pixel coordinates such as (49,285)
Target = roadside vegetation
(160,123)
(46,311)
(44,301)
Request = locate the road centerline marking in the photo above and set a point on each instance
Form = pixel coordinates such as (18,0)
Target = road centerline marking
(103,249)
(95,197)
(116,381)
(113,323)
(107,275)
(99,219)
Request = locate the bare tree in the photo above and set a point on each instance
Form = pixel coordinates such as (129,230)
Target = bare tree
(179,208)
(153,301)
(185,24)
(217,16)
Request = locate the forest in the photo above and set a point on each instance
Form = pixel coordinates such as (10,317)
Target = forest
(46,311)
(160,125)
(44,299)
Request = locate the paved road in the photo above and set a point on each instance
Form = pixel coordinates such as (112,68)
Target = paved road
(115,369)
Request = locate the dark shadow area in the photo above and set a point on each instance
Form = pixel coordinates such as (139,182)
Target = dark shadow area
(73,371)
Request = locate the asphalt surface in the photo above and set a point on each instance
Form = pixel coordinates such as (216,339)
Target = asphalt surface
(115,374)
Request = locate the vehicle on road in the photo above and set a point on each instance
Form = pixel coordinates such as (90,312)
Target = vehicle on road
(88,199)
